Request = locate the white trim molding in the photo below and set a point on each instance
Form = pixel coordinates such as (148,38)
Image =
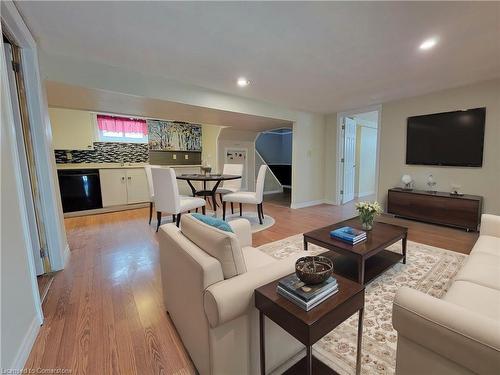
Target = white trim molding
(340,147)
(28,341)
(51,207)
(307,204)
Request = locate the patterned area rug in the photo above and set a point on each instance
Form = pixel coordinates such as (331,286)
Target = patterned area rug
(428,269)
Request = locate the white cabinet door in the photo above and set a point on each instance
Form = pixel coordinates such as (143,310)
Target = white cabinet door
(72,129)
(113,187)
(137,186)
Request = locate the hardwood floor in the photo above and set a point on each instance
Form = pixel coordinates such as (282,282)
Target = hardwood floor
(104,313)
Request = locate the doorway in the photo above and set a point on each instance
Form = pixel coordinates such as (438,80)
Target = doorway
(23,135)
(358,155)
(274,148)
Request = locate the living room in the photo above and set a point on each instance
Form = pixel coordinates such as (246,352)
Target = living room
(111,279)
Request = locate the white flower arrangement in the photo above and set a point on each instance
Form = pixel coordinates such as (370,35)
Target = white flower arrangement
(367,212)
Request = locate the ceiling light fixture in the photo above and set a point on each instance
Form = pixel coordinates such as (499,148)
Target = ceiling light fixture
(242,82)
(428,44)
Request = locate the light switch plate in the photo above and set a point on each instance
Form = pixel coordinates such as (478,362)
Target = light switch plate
(174,156)
(186,156)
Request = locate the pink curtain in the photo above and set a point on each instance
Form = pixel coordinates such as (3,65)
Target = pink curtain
(122,124)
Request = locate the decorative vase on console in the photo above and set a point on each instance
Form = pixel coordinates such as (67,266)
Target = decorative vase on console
(367,212)
(407,182)
(431,183)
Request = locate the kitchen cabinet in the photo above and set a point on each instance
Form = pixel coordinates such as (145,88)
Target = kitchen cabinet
(123,186)
(72,129)
(137,186)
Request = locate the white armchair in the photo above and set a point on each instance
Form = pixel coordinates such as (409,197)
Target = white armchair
(167,197)
(209,277)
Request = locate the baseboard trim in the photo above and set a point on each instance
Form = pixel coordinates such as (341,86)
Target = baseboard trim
(360,195)
(328,201)
(26,345)
(307,204)
(273,192)
(67,254)
(105,210)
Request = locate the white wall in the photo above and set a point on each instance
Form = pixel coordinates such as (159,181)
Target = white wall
(330,145)
(239,139)
(19,315)
(483,181)
(308,161)
(209,138)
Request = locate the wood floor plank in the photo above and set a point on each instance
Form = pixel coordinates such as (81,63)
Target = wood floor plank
(104,314)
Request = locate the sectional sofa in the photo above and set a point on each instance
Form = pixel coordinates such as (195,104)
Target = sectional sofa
(460,333)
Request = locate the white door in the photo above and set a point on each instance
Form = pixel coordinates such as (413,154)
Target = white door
(349,159)
(113,187)
(137,186)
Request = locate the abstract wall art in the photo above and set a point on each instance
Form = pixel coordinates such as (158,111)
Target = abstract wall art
(174,136)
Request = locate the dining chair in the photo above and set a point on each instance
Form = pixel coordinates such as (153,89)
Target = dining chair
(231,186)
(167,197)
(149,177)
(248,197)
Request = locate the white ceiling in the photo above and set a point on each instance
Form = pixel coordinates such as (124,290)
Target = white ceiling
(320,57)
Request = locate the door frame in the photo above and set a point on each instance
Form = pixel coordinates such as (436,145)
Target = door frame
(51,208)
(340,148)
(343,164)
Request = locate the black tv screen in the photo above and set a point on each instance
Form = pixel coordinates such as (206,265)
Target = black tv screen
(449,138)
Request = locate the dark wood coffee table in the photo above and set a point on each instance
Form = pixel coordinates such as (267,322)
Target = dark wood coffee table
(366,260)
(310,326)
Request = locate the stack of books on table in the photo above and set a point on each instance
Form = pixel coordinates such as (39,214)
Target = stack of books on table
(347,234)
(306,296)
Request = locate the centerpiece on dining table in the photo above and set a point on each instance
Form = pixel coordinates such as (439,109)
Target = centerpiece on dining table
(367,212)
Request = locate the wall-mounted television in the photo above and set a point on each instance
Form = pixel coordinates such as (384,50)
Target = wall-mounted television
(449,138)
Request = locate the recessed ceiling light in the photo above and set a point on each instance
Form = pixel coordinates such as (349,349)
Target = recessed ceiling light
(428,44)
(242,82)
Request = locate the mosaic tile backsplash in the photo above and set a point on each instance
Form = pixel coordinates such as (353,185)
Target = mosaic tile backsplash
(107,152)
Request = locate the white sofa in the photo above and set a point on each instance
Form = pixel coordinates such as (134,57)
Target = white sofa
(460,333)
(209,277)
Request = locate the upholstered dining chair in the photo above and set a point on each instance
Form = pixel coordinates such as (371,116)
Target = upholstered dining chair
(248,197)
(167,197)
(149,177)
(231,186)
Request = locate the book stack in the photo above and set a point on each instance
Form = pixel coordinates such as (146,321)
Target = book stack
(306,296)
(350,235)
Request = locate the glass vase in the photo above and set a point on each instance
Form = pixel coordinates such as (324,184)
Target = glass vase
(367,223)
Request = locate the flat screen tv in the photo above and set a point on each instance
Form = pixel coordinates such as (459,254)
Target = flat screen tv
(448,138)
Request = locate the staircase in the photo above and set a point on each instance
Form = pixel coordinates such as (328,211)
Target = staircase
(271,184)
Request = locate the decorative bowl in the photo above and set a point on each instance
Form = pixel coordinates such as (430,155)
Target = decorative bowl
(313,269)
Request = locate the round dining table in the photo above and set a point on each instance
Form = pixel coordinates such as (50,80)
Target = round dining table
(209,177)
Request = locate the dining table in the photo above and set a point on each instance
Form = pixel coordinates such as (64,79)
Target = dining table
(204,178)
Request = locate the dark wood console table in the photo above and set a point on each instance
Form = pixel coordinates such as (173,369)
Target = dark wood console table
(461,211)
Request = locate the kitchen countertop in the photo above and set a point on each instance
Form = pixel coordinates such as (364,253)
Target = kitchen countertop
(113,165)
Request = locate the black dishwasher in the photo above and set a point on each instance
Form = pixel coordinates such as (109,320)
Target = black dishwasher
(80,189)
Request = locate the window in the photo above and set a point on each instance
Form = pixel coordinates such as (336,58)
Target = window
(122,129)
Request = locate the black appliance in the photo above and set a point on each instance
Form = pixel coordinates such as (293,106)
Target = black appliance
(449,138)
(80,189)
